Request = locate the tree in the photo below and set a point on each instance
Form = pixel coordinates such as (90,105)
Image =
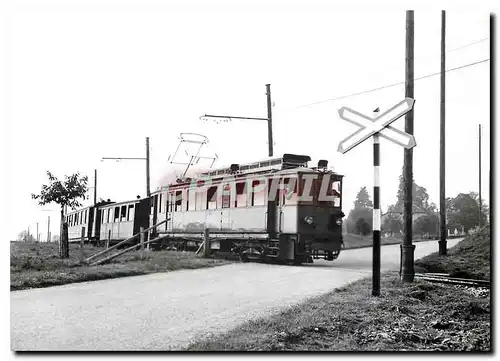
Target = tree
(420,197)
(65,193)
(463,210)
(363,209)
(393,221)
(24,236)
(363,200)
(426,224)
(362,227)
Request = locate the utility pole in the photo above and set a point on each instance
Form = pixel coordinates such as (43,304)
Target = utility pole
(148,189)
(269,119)
(148,192)
(37,238)
(95,187)
(407,248)
(480,199)
(48,230)
(442,147)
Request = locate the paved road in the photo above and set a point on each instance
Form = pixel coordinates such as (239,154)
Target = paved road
(167,311)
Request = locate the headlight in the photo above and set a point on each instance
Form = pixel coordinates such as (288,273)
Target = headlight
(339,221)
(309,220)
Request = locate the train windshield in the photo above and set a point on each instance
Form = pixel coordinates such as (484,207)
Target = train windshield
(323,190)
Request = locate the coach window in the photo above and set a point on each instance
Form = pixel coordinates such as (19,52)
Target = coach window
(153,202)
(212,197)
(178,201)
(131,213)
(159,203)
(116,218)
(123,214)
(241,196)
(81,218)
(85,217)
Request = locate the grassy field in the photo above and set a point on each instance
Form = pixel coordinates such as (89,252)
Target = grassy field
(34,265)
(407,316)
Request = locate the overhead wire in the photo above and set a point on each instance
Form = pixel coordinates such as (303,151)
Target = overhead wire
(387,86)
(396,84)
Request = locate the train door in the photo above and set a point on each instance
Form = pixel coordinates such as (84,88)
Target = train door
(169,211)
(225,201)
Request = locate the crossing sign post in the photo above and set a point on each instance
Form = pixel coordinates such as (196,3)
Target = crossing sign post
(377,126)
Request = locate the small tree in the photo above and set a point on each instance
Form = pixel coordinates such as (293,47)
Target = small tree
(65,193)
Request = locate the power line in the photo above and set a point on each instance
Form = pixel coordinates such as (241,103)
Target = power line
(387,86)
(467,45)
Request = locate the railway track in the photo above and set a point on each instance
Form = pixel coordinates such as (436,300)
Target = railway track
(445,278)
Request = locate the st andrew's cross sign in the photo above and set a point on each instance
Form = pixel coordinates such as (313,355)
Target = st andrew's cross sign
(377,126)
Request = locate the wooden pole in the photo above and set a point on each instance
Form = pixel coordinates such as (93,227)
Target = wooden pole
(142,242)
(206,242)
(269,120)
(480,198)
(82,241)
(442,143)
(95,187)
(148,191)
(407,248)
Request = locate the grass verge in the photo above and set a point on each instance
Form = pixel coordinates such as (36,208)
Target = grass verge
(470,258)
(35,265)
(414,316)
(406,317)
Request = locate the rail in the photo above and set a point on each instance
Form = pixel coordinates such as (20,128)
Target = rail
(445,278)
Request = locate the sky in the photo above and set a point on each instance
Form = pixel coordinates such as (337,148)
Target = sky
(87,82)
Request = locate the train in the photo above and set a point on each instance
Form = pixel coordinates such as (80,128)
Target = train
(278,209)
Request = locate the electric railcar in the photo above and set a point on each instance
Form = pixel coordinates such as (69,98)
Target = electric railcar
(278,208)
(275,209)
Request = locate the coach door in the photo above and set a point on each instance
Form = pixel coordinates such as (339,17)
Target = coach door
(169,207)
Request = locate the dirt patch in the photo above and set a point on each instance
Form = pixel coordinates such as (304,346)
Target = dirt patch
(35,265)
(440,318)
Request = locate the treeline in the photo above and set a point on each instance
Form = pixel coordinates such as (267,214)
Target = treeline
(462,212)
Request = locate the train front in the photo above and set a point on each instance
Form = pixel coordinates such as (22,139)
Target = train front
(319,215)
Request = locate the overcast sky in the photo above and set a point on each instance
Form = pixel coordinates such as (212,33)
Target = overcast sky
(90,82)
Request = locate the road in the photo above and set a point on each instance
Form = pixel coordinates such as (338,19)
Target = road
(167,311)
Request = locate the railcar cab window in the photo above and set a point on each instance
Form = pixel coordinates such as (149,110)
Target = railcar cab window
(212,197)
(258,193)
(288,191)
(241,196)
(336,192)
(178,201)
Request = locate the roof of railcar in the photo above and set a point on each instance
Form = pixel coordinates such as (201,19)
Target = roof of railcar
(256,174)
